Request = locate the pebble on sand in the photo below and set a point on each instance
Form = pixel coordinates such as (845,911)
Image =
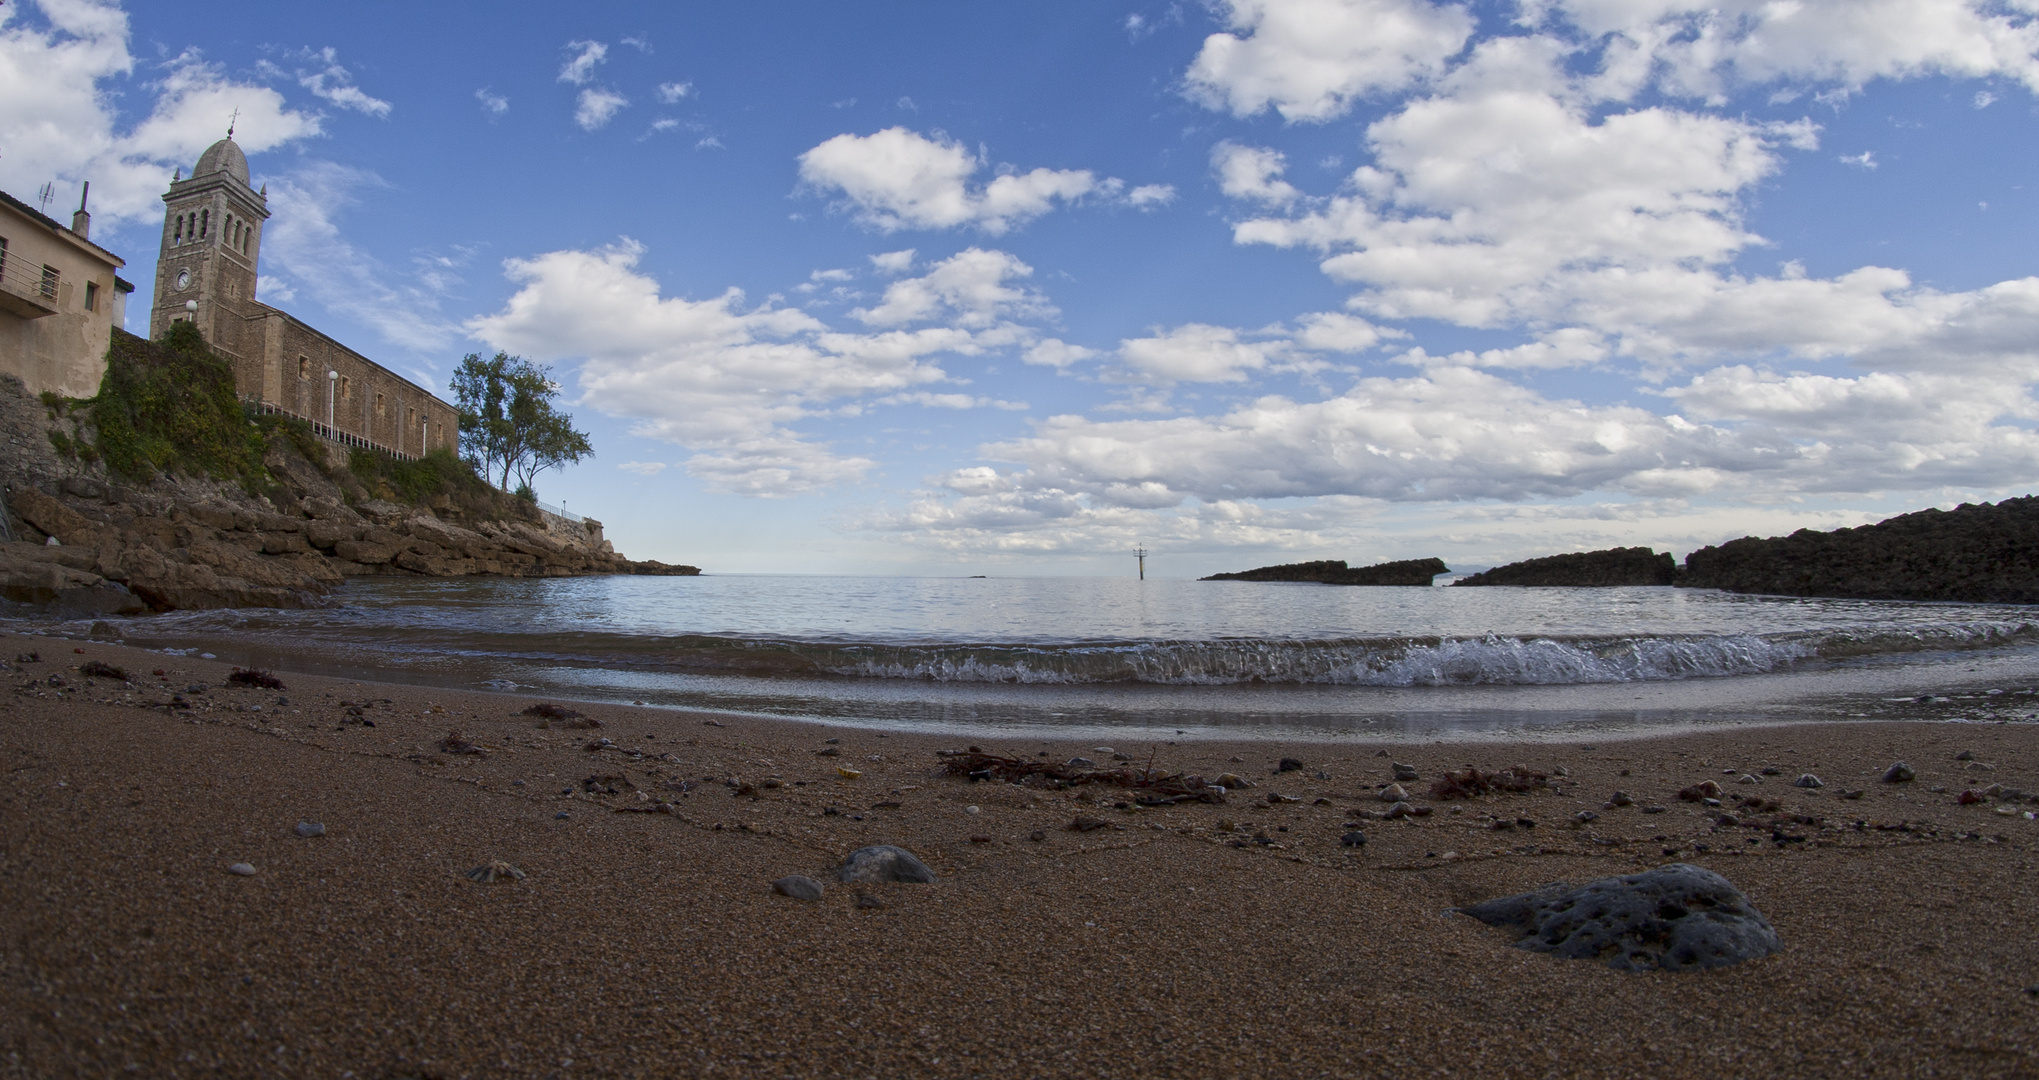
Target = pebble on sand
(798,886)
(1404,773)
(1394,793)
(1808,780)
(1353,839)
(1898,773)
(885,862)
(1673,918)
(243,869)
(309,829)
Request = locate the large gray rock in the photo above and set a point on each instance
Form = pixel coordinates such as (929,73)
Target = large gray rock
(883,862)
(1674,918)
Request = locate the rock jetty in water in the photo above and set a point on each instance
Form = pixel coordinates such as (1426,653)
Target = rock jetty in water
(1590,569)
(1980,553)
(1335,572)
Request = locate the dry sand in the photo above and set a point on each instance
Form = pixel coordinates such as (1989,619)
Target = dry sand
(649,944)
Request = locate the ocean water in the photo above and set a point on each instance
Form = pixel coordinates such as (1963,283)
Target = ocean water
(1173,657)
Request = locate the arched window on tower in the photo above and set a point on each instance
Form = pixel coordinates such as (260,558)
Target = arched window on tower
(177,235)
(204,224)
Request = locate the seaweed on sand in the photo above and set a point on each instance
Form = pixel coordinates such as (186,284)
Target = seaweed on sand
(1155,787)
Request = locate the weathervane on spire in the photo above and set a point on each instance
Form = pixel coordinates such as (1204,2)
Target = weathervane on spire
(232,120)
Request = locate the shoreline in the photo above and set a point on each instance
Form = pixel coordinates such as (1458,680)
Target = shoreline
(1159,943)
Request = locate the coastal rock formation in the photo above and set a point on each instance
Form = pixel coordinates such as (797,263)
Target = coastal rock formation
(1596,569)
(1982,553)
(77,538)
(1674,918)
(1335,572)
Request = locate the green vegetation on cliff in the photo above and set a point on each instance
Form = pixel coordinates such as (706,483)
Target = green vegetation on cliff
(170,406)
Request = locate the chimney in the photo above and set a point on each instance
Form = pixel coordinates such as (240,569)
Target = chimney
(81,222)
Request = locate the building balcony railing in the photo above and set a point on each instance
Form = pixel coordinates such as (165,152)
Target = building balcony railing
(328,432)
(27,289)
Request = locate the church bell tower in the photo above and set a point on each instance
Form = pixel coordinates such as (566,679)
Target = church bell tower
(212,240)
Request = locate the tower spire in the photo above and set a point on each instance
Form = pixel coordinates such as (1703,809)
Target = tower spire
(233,120)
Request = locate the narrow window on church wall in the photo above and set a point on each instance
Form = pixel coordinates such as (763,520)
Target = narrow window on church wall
(204,223)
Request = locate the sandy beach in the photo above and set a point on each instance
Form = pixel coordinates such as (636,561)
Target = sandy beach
(644,939)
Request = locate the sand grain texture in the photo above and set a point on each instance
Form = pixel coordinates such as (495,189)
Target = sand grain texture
(651,944)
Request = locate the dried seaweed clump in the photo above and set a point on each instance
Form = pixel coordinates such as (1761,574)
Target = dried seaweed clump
(255,677)
(1472,783)
(547,712)
(1155,787)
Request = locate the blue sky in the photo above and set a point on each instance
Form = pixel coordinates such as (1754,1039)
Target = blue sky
(940,288)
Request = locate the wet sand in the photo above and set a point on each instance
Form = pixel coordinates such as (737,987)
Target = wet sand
(1240,939)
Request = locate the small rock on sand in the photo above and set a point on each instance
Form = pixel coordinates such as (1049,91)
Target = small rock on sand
(1898,773)
(1353,839)
(1400,810)
(1081,763)
(1289,764)
(309,829)
(866,900)
(1619,798)
(1394,793)
(1404,773)
(1965,755)
(884,862)
(798,887)
(1674,918)
(1808,780)
(243,869)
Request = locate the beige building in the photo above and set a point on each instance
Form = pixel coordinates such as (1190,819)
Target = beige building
(60,298)
(206,273)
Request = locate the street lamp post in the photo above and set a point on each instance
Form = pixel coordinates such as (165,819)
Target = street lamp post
(332,384)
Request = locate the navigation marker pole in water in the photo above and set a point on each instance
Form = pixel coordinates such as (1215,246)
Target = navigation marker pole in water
(1141,554)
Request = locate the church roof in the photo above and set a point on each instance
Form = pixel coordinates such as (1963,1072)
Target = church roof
(223,156)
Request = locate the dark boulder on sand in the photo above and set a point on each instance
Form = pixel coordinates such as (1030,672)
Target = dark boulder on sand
(1674,918)
(1585,569)
(1335,572)
(1981,553)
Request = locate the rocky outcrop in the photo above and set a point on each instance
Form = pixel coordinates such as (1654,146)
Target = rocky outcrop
(1335,572)
(73,541)
(1585,569)
(1982,553)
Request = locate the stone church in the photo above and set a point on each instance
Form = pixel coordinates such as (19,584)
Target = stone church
(206,274)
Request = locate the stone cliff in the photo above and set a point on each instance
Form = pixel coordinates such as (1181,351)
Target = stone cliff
(295,520)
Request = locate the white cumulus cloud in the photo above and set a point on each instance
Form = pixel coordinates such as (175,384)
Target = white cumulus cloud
(595,107)
(1310,59)
(580,66)
(729,380)
(900,179)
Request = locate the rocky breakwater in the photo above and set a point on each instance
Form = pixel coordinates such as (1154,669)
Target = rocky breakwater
(1335,572)
(1980,553)
(1585,569)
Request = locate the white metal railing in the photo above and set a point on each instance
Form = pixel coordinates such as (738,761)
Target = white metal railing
(559,511)
(328,432)
(24,278)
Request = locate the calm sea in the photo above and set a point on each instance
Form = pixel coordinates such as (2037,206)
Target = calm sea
(1170,657)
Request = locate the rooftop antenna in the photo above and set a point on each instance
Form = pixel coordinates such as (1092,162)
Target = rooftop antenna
(47,192)
(232,120)
(1141,554)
